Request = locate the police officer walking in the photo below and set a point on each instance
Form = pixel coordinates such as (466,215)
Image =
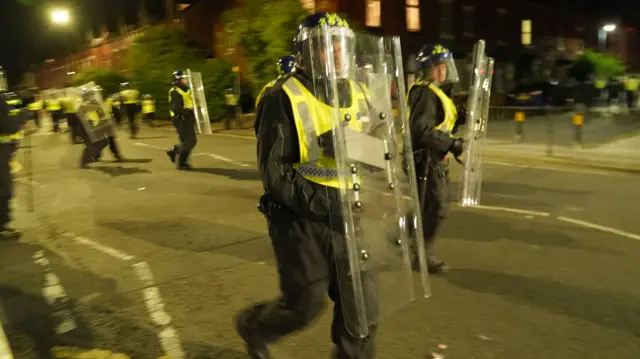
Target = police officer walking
(69,109)
(183,119)
(52,105)
(130,99)
(433,116)
(35,107)
(298,199)
(11,133)
(148,109)
(97,133)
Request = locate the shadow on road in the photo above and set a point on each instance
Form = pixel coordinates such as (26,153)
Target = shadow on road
(138,160)
(152,137)
(243,175)
(609,310)
(120,171)
(188,234)
(483,227)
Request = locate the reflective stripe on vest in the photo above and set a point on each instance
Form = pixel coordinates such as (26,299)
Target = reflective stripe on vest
(148,106)
(130,97)
(313,118)
(186,99)
(264,89)
(450,110)
(13,111)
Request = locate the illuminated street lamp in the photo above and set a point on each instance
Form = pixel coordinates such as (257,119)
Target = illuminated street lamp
(602,35)
(60,16)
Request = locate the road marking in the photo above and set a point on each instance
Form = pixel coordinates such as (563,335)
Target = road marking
(545,168)
(209,154)
(5,348)
(599,227)
(168,336)
(508,209)
(155,307)
(226,159)
(55,296)
(100,247)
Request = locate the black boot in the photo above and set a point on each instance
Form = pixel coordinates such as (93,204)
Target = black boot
(182,161)
(8,233)
(172,154)
(256,345)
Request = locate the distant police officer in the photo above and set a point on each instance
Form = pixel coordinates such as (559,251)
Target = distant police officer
(285,66)
(130,99)
(113,104)
(631,85)
(433,116)
(11,123)
(148,109)
(98,131)
(184,120)
(52,106)
(35,107)
(69,109)
(300,193)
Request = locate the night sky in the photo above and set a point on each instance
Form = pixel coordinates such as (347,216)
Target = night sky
(28,37)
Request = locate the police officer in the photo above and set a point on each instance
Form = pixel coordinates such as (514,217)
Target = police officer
(285,66)
(148,109)
(69,109)
(11,123)
(298,197)
(34,107)
(631,85)
(130,99)
(183,119)
(93,150)
(433,116)
(52,105)
(113,104)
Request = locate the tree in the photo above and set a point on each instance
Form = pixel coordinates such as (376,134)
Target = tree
(264,29)
(598,64)
(160,51)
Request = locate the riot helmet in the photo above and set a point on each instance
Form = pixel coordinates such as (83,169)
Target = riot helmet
(319,36)
(437,65)
(3,81)
(179,78)
(286,65)
(146,97)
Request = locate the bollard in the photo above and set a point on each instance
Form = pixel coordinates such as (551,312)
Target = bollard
(578,121)
(519,117)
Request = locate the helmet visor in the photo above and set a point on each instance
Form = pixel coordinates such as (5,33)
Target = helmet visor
(443,71)
(328,49)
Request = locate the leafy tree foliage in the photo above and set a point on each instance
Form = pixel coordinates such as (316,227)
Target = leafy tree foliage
(598,64)
(264,29)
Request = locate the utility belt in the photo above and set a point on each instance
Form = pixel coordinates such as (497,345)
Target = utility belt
(429,164)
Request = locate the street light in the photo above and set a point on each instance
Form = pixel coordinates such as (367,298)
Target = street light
(60,16)
(602,35)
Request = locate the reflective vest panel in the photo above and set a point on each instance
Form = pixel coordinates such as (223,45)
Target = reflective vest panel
(632,84)
(186,98)
(53,105)
(313,118)
(35,106)
(264,89)
(450,110)
(130,97)
(148,106)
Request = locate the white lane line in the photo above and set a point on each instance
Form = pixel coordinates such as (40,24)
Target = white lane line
(55,296)
(142,144)
(599,227)
(168,336)
(100,247)
(209,154)
(155,306)
(546,168)
(226,159)
(508,209)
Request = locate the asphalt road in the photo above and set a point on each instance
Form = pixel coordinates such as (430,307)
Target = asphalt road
(524,283)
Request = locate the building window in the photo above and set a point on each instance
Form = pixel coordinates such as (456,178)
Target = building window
(309,5)
(373,13)
(526,32)
(413,15)
(468,19)
(446,19)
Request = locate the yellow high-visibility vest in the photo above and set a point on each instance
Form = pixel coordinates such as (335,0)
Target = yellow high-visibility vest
(186,98)
(53,105)
(267,86)
(35,106)
(631,84)
(148,106)
(230,100)
(129,97)
(450,110)
(313,118)
(600,84)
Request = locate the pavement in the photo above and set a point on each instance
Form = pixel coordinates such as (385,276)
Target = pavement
(139,260)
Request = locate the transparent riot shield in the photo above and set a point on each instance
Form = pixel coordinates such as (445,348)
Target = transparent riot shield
(199,102)
(93,113)
(363,159)
(477,116)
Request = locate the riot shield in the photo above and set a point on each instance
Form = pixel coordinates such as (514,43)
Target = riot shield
(199,102)
(477,116)
(376,226)
(93,113)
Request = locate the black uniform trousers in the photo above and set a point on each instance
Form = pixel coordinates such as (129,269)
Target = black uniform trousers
(132,109)
(56,117)
(93,150)
(306,264)
(117,114)
(6,183)
(75,127)
(631,99)
(187,136)
(433,188)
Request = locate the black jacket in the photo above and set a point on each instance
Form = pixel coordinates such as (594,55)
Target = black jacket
(427,113)
(177,106)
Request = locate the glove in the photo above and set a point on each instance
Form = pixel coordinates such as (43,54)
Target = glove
(457,147)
